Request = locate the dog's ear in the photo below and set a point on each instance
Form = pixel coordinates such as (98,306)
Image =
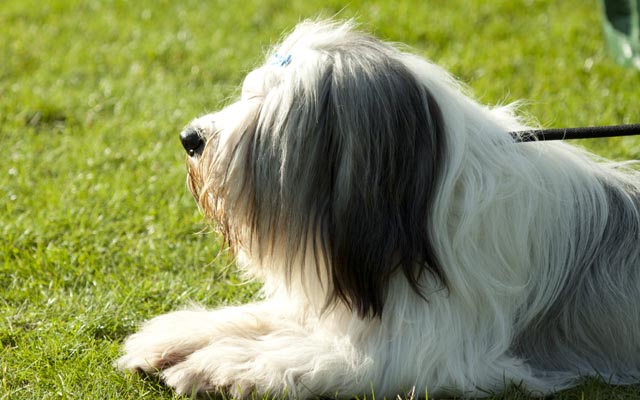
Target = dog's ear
(385,152)
(345,161)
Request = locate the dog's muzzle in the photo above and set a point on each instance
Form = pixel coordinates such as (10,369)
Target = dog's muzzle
(192,141)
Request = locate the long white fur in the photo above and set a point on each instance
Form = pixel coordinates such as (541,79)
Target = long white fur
(505,223)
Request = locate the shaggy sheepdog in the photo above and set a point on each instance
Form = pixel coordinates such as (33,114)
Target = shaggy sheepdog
(407,242)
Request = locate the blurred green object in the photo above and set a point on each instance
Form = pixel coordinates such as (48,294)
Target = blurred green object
(622,30)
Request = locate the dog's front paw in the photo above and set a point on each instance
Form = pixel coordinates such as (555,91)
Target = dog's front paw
(165,341)
(190,379)
(227,367)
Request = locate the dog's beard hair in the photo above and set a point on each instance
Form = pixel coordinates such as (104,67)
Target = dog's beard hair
(536,243)
(219,184)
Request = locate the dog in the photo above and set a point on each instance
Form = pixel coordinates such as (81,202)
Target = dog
(406,241)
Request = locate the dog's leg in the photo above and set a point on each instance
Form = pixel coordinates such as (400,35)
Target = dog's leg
(289,360)
(237,349)
(168,339)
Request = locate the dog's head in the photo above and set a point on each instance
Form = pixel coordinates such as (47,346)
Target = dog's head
(329,161)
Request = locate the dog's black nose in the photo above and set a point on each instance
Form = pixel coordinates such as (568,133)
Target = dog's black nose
(192,141)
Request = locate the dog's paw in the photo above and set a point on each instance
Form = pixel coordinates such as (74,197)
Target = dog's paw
(189,379)
(227,368)
(165,341)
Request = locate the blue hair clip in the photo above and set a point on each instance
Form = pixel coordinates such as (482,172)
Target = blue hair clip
(280,60)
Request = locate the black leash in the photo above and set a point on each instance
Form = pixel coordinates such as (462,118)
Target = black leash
(591,132)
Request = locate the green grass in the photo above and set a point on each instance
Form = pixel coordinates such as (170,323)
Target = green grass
(97,230)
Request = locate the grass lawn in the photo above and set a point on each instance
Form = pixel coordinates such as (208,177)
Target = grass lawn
(97,229)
